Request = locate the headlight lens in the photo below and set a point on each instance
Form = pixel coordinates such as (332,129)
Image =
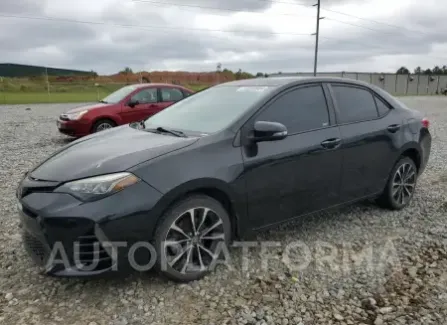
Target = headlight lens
(94,188)
(76,116)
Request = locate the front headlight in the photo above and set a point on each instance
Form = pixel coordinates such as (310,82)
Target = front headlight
(94,188)
(75,116)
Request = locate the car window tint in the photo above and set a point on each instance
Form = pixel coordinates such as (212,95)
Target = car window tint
(171,94)
(354,104)
(299,110)
(145,96)
(382,107)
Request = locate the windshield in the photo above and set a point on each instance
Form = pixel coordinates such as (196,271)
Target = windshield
(210,110)
(118,95)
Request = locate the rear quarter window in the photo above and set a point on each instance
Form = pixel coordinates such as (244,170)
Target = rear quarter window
(382,107)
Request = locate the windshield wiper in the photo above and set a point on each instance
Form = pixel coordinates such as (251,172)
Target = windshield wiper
(103,101)
(160,129)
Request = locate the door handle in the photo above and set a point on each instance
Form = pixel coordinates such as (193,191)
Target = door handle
(393,128)
(331,143)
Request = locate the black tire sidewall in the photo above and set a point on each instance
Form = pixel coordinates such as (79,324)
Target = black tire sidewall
(170,216)
(389,188)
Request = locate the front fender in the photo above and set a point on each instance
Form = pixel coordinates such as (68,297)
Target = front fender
(115,118)
(215,188)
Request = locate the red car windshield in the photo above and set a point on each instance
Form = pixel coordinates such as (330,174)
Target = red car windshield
(119,95)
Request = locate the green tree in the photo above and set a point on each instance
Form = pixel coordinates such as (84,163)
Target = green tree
(126,70)
(418,70)
(403,70)
(437,70)
(259,74)
(238,74)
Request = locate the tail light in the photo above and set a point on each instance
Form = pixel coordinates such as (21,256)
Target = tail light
(425,123)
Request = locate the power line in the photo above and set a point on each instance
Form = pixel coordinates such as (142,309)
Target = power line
(359,26)
(164,3)
(375,46)
(147,27)
(350,15)
(376,21)
(164,29)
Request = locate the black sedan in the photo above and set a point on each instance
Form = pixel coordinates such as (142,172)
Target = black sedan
(172,190)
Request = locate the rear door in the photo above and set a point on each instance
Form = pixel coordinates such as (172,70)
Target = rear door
(148,104)
(300,173)
(370,130)
(169,95)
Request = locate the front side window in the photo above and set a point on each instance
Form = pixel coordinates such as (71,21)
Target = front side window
(171,94)
(145,96)
(119,95)
(354,104)
(300,110)
(210,110)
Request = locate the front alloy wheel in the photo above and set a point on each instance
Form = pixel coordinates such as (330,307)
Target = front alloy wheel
(191,237)
(192,240)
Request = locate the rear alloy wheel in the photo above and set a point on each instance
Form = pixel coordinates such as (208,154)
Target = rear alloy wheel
(401,185)
(190,238)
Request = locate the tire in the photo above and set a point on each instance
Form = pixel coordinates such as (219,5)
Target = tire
(396,195)
(182,259)
(102,125)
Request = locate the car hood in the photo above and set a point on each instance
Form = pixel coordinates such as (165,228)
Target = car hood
(87,107)
(105,152)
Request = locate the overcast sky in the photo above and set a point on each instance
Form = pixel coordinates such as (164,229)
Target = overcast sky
(254,35)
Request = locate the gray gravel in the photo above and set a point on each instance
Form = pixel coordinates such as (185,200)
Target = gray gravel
(365,265)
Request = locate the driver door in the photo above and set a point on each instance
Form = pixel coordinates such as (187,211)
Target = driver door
(147,104)
(301,173)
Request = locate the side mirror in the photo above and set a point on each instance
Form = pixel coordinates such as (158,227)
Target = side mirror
(268,131)
(132,103)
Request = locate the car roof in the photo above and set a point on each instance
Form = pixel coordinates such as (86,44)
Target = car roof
(285,81)
(155,85)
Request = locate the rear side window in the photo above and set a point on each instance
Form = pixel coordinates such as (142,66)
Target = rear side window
(382,107)
(354,104)
(300,110)
(171,94)
(186,93)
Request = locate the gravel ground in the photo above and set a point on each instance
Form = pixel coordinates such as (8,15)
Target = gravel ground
(356,265)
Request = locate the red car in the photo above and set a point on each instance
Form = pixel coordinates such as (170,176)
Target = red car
(129,104)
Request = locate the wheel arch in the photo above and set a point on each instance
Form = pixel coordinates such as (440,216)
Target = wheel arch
(412,151)
(214,188)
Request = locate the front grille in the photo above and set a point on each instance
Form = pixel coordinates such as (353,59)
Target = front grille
(35,248)
(89,253)
(31,185)
(28,190)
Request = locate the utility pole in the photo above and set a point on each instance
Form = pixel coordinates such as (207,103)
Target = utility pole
(48,83)
(317,34)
